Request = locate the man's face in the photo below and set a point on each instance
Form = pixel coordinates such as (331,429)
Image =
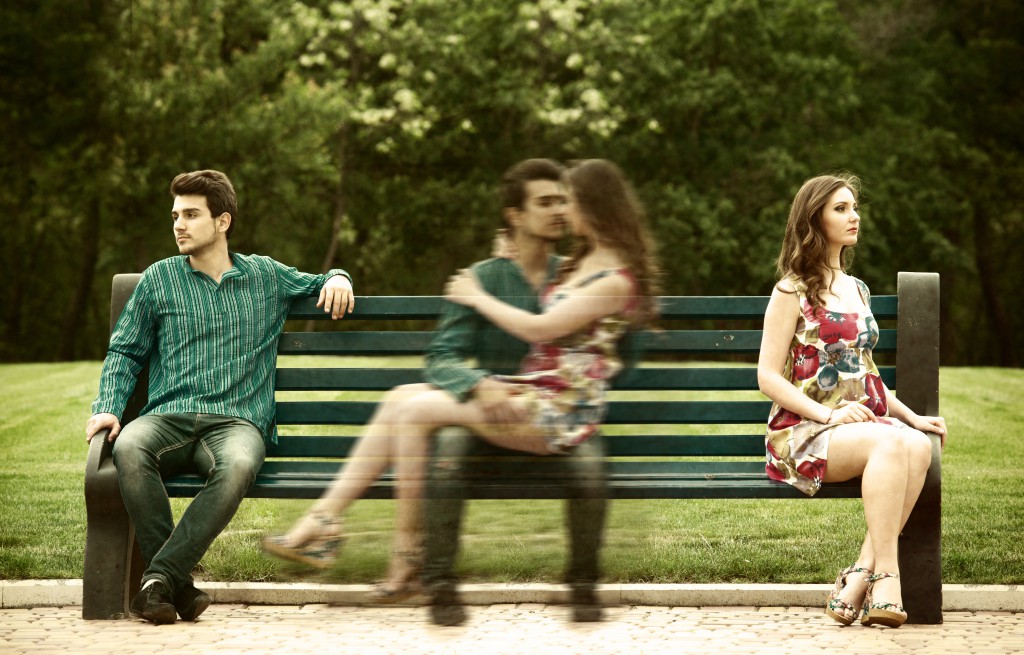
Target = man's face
(543,213)
(195,230)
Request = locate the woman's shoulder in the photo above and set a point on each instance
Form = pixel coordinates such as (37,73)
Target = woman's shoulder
(621,280)
(609,282)
(790,284)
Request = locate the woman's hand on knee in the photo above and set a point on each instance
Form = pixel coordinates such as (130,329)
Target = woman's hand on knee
(852,413)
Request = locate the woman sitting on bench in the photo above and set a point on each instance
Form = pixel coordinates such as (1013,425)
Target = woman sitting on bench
(606,286)
(831,418)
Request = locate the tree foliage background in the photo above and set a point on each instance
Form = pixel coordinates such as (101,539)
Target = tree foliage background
(370,134)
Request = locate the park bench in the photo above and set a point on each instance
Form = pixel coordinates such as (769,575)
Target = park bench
(640,465)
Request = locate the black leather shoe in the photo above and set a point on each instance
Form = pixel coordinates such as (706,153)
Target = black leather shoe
(585,607)
(191,602)
(446,609)
(153,604)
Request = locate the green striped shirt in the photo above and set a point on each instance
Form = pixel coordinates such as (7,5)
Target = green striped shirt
(464,335)
(211,347)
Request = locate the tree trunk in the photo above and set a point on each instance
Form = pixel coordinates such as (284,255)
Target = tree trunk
(339,208)
(90,240)
(994,309)
(339,202)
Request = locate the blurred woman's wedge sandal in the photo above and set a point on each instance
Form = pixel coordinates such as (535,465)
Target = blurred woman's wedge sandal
(319,550)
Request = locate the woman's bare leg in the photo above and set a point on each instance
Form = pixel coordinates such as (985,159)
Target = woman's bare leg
(398,436)
(372,455)
(892,463)
(420,416)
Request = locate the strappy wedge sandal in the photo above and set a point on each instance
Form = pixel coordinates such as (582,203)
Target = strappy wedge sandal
(839,610)
(387,593)
(887,614)
(319,550)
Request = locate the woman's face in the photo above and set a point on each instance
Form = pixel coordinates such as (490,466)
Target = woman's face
(840,220)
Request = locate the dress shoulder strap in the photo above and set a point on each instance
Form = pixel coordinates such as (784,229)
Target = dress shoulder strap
(864,292)
(625,272)
(597,276)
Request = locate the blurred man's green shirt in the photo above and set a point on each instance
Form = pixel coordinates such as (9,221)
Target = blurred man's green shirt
(464,337)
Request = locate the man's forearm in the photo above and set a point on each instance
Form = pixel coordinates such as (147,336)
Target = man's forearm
(117,381)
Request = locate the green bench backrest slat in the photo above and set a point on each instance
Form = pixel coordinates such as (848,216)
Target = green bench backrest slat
(414,343)
(672,307)
(375,307)
(345,379)
(648,445)
(619,412)
(642,378)
(353,343)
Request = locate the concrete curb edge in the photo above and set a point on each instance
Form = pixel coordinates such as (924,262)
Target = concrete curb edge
(955,598)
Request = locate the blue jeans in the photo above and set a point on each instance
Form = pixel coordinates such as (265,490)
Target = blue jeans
(225,450)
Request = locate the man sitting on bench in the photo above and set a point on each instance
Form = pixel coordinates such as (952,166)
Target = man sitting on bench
(207,323)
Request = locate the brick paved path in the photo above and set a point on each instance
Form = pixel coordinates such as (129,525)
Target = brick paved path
(525,629)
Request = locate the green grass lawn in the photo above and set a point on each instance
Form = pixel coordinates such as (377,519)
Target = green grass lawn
(43,409)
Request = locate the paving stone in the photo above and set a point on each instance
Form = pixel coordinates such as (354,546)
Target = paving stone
(533,628)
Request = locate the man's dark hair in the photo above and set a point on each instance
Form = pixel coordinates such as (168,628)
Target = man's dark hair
(513,182)
(215,187)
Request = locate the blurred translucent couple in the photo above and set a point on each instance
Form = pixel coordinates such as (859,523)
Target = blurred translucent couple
(573,309)
(558,321)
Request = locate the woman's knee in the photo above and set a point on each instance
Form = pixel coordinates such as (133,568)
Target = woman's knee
(919,448)
(406,392)
(428,410)
(396,401)
(904,445)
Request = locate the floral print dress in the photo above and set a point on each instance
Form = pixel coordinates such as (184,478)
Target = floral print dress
(565,381)
(829,361)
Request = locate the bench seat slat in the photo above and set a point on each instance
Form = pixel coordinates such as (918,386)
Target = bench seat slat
(619,487)
(515,466)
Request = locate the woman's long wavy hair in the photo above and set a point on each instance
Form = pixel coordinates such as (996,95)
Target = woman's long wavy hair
(805,251)
(611,208)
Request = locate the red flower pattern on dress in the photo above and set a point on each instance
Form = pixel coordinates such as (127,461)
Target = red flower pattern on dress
(814,470)
(834,326)
(544,357)
(598,370)
(875,391)
(774,473)
(805,361)
(784,419)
